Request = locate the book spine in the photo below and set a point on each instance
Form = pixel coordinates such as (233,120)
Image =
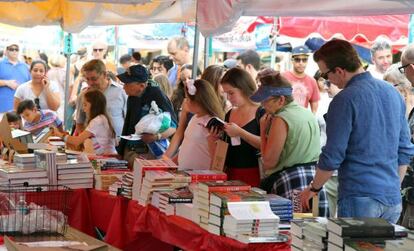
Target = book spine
(228,188)
(206,177)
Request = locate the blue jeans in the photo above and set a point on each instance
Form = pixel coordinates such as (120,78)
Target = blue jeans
(368,207)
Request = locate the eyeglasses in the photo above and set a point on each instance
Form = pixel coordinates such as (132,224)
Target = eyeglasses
(325,75)
(402,68)
(298,60)
(96,50)
(327,83)
(13,49)
(37,103)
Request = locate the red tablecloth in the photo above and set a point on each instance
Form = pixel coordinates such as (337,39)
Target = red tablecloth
(130,226)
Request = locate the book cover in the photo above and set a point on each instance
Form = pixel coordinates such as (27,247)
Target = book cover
(206,175)
(223,186)
(361,227)
(182,195)
(221,198)
(362,246)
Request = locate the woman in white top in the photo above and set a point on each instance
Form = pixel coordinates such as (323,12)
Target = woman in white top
(195,151)
(99,129)
(44,93)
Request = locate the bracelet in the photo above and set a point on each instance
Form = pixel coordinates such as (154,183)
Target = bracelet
(312,189)
(158,136)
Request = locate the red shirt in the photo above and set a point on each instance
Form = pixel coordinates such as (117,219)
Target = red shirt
(305,89)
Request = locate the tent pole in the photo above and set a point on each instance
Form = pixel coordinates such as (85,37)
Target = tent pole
(274,44)
(206,51)
(67,82)
(196,45)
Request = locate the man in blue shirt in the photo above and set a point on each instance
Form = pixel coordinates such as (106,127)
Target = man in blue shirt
(368,140)
(12,74)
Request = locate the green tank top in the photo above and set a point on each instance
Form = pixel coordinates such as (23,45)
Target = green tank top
(303,139)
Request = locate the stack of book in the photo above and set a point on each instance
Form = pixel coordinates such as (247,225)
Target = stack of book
(142,166)
(106,178)
(112,164)
(250,219)
(280,206)
(405,244)
(186,210)
(202,196)
(352,232)
(315,235)
(167,201)
(18,176)
(206,175)
(159,180)
(75,174)
(47,160)
(126,184)
(24,160)
(218,207)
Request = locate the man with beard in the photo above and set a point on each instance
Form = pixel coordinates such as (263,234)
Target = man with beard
(305,88)
(381,55)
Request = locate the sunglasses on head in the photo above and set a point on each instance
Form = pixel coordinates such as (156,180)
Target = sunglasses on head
(298,60)
(100,49)
(13,49)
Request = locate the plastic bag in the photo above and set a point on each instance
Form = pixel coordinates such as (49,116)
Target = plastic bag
(154,122)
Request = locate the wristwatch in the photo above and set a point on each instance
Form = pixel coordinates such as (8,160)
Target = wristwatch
(312,189)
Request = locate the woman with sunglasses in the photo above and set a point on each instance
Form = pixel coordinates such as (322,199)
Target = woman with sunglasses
(44,93)
(290,139)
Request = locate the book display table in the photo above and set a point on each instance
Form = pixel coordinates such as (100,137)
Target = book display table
(129,226)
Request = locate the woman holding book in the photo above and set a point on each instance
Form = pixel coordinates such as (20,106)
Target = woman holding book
(99,129)
(44,93)
(202,101)
(290,139)
(242,128)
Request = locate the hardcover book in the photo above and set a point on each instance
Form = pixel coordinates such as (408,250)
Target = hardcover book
(361,227)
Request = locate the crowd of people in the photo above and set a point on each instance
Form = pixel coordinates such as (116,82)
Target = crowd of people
(342,134)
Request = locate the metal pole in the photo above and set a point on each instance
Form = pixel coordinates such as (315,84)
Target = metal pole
(274,44)
(67,82)
(196,45)
(206,52)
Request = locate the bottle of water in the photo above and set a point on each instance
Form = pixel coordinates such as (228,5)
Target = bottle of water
(21,206)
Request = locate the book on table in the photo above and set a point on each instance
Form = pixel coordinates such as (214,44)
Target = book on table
(206,175)
(361,227)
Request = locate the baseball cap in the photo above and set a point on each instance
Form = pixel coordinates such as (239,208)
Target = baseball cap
(12,43)
(134,74)
(300,50)
(230,63)
(266,91)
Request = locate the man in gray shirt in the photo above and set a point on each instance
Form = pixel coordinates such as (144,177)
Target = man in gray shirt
(95,74)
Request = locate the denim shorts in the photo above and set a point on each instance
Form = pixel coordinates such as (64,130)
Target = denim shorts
(368,207)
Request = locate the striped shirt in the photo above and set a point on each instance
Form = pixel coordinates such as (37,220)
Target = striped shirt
(47,118)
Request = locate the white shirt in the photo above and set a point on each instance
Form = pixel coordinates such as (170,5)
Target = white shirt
(25,91)
(194,152)
(103,141)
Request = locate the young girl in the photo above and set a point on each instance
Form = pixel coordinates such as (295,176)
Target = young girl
(203,102)
(99,129)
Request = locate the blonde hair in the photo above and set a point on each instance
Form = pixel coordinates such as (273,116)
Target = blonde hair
(57,60)
(164,84)
(206,97)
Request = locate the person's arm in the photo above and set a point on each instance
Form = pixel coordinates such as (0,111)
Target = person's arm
(321,177)
(275,142)
(178,135)
(52,96)
(12,84)
(233,130)
(73,140)
(16,103)
(401,171)
(314,106)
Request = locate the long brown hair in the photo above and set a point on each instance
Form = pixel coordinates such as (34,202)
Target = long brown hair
(213,74)
(206,97)
(98,107)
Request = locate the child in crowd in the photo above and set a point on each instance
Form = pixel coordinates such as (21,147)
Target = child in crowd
(36,120)
(14,120)
(99,129)
(202,101)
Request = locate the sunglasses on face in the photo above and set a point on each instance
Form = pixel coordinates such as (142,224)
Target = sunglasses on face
(13,49)
(402,68)
(327,83)
(96,50)
(325,74)
(298,60)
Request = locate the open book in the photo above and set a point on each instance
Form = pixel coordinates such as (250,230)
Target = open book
(215,122)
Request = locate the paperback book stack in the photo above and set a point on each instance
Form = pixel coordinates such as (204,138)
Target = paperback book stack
(218,207)
(112,164)
(315,235)
(280,206)
(104,179)
(126,185)
(349,233)
(24,160)
(206,175)
(253,219)
(75,174)
(47,160)
(202,196)
(142,166)
(161,181)
(167,201)
(11,175)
